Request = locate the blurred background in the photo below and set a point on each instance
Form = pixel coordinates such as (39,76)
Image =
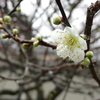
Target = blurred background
(35,19)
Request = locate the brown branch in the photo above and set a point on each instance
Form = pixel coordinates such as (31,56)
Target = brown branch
(43,43)
(92,10)
(91,68)
(19,40)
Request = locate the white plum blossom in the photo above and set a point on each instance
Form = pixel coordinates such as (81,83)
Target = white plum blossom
(69,44)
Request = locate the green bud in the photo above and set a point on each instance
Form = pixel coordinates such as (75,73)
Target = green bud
(1,26)
(39,38)
(25,46)
(33,39)
(86,62)
(15,31)
(83,36)
(89,54)
(1,20)
(7,19)
(36,43)
(57,20)
(18,9)
(5,35)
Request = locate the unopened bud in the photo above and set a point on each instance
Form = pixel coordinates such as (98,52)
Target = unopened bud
(57,20)
(15,31)
(1,20)
(89,54)
(5,35)
(7,19)
(18,9)
(25,46)
(83,36)
(36,43)
(39,38)
(33,39)
(1,26)
(86,62)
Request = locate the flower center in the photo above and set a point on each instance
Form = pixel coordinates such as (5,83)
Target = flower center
(71,40)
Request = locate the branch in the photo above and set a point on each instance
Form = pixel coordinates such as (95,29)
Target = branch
(91,68)
(92,10)
(19,40)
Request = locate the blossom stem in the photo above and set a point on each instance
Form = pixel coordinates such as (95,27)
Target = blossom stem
(63,13)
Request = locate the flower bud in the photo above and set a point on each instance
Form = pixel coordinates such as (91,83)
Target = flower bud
(1,26)
(18,9)
(1,20)
(57,20)
(86,62)
(33,39)
(5,35)
(15,31)
(39,38)
(25,46)
(36,43)
(89,54)
(83,36)
(7,19)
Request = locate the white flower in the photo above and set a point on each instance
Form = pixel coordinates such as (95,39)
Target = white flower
(70,44)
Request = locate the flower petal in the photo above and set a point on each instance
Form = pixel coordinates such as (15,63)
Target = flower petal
(71,31)
(57,35)
(83,44)
(76,55)
(62,51)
